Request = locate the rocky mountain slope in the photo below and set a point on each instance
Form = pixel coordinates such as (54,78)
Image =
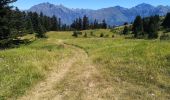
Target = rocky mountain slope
(113,15)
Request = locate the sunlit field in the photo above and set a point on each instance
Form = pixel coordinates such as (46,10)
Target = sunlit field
(121,68)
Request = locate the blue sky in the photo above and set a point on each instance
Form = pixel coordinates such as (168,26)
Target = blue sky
(90,4)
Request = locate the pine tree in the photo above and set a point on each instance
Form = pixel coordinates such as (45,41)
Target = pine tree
(59,24)
(54,24)
(41,18)
(77,24)
(35,21)
(47,23)
(5,31)
(95,25)
(80,24)
(29,26)
(104,25)
(17,23)
(166,22)
(125,30)
(138,27)
(85,22)
(153,27)
(64,27)
(40,32)
(146,24)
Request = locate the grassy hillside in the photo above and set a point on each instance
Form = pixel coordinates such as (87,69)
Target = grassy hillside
(135,69)
(126,68)
(22,67)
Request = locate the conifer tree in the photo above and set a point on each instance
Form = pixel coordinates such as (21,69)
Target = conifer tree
(146,24)
(29,26)
(17,22)
(104,25)
(153,27)
(166,22)
(85,22)
(95,24)
(35,21)
(80,24)
(125,30)
(138,27)
(59,24)
(5,31)
(40,33)
(54,23)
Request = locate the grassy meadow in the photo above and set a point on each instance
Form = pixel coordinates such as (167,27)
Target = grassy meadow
(136,68)
(130,69)
(24,66)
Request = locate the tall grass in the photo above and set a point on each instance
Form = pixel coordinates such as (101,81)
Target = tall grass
(22,67)
(137,69)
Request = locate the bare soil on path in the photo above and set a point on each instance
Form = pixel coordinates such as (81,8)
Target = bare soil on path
(74,78)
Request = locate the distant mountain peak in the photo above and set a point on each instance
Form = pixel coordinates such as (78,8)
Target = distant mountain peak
(144,5)
(45,3)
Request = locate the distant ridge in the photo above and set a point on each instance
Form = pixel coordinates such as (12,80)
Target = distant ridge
(113,15)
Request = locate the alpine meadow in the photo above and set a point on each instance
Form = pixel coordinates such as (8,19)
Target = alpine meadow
(51,52)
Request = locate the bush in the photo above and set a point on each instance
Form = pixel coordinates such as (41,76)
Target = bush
(40,35)
(5,43)
(92,34)
(85,35)
(79,33)
(167,30)
(106,36)
(113,36)
(165,37)
(101,35)
(153,35)
(125,31)
(76,33)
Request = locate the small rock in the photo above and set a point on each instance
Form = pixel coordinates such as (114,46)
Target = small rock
(153,94)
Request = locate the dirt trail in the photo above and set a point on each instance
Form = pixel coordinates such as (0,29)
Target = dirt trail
(75,79)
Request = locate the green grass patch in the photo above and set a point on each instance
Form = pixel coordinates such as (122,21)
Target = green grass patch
(141,64)
(21,68)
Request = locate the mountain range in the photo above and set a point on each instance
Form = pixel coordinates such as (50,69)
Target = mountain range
(113,15)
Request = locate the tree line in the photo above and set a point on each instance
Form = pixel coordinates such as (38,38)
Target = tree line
(84,24)
(15,23)
(147,27)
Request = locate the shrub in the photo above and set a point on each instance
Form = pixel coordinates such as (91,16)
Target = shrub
(106,36)
(92,34)
(101,35)
(165,37)
(85,35)
(125,30)
(76,33)
(113,36)
(79,33)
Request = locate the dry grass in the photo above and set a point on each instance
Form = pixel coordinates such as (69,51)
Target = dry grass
(105,68)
